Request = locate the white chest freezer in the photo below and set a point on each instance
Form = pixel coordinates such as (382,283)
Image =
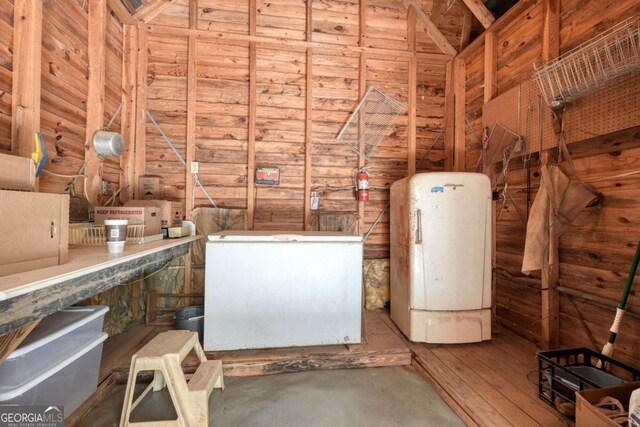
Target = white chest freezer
(441,257)
(280,289)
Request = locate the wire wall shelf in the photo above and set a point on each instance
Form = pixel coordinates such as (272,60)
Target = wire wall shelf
(605,59)
(370,121)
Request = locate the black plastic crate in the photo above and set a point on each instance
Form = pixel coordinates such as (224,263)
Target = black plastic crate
(563,372)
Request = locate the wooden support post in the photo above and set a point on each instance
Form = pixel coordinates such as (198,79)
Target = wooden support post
(362,88)
(459,84)
(309,21)
(96,96)
(128,120)
(251,139)
(411,90)
(550,301)
(141,108)
(192,78)
(449,117)
(27,54)
(308,140)
(550,30)
(11,341)
(192,81)
(490,61)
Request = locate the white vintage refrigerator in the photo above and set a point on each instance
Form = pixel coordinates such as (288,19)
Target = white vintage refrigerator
(441,257)
(276,289)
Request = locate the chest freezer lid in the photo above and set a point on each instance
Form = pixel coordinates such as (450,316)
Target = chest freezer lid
(282,236)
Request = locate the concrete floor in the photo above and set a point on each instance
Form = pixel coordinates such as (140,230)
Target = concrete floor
(356,397)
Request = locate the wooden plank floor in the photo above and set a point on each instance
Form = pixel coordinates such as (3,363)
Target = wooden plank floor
(487,384)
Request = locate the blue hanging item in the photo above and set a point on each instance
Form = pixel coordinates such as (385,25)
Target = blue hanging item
(40,155)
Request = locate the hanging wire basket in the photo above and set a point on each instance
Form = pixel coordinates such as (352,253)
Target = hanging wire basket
(605,59)
(370,121)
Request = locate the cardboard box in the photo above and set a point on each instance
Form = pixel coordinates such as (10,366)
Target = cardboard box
(166,211)
(34,230)
(178,212)
(587,415)
(150,188)
(149,216)
(17,173)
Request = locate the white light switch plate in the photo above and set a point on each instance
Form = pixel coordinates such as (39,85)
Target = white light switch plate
(195,166)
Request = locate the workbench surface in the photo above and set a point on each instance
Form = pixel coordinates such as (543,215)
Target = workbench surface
(27,296)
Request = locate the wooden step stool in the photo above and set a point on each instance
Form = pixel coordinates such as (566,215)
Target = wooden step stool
(164,355)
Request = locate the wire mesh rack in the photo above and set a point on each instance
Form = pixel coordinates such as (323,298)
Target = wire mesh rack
(370,121)
(605,59)
(92,234)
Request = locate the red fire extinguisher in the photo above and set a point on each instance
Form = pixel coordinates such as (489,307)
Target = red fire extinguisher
(361,179)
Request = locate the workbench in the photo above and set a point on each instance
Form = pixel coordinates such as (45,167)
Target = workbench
(29,296)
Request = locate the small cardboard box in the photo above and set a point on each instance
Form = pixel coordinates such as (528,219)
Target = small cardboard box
(587,415)
(17,173)
(34,230)
(166,211)
(150,188)
(149,216)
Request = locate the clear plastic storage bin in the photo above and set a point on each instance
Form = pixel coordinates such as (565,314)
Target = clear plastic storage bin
(54,339)
(68,384)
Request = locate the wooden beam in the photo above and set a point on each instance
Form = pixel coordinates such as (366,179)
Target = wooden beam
(27,54)
(121,12)
(467,21)
(308,138)
(412,91)
(362,88)
(521,7)
(251,139)
(550,30)
(9,342)
(192,77)
(192,81)
(151,9)
(141,108)
(432,31)
(481,12)
(550,301)
(309,21)
(96,96)
(129,93)
(449,117)
(490,65)
(297,45)
(459,85)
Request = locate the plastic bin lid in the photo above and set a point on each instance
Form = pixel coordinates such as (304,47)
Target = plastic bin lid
(7,393)
(57,325)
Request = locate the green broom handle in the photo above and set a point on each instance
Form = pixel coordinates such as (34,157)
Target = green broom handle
(627,287)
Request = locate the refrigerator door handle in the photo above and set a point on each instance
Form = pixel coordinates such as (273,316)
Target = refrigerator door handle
(419,223)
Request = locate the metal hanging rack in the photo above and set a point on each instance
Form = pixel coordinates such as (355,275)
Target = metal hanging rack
(605,59)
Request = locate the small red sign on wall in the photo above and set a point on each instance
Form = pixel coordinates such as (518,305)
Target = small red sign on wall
(267,175)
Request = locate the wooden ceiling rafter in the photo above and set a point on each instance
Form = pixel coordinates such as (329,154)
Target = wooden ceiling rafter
(481,12)
(121,12)
(150,10)
(433,32)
